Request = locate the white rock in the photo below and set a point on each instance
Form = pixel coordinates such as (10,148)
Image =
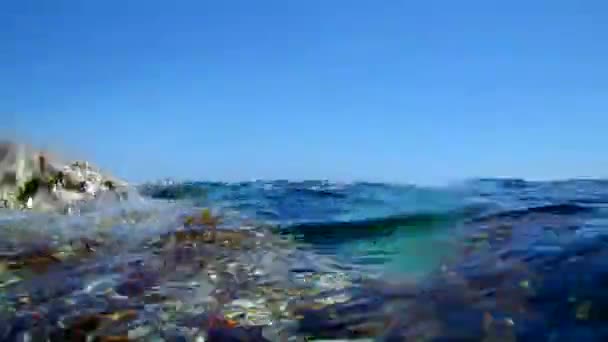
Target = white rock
(20,163)
(44,202)
(30,203)
(90,188)
(73,178)
(69,196)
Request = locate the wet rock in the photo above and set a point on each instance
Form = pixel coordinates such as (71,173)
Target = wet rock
(32,179)
(173,334)
(249,313)
(37,259)
(134,287)
(139,332)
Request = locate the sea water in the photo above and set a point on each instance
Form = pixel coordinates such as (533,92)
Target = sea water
(483,259)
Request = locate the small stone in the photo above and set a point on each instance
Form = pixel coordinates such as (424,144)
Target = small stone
(245,303)
(340,298)
(235,314)
(259,318)
(333,281)
(139,332)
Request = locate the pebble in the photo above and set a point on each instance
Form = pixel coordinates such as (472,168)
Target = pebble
(340,298)
(260,318)
(333,281)
(139,332)
(249,312)
(245,303)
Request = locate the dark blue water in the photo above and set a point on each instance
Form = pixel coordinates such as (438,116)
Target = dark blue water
(283,202)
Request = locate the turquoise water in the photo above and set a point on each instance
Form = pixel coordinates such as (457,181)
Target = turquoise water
(402,229)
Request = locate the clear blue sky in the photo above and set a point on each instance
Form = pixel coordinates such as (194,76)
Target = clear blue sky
(408,91)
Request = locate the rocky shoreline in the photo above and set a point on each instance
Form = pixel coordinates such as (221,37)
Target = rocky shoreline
(31,179)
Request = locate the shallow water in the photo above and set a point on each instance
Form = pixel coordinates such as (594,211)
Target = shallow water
(485,260)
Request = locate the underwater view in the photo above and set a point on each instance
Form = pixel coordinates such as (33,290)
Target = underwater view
(483,260)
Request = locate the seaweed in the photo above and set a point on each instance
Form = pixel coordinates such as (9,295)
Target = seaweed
(29,189)
(109,184)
